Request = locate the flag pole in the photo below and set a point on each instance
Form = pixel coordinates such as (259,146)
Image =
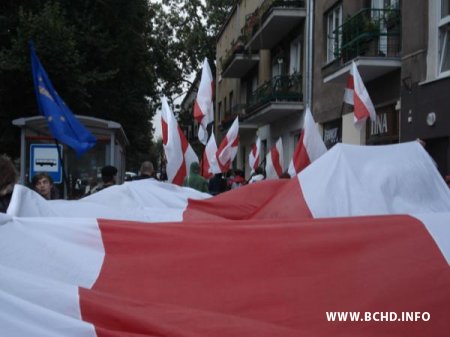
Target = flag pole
(66,183)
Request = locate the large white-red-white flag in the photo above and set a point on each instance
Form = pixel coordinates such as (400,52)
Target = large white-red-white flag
(356,94)
(203,105)
(179,153)
(72,268)
(228,147)
(254,155)
(310,146)
(274,161)
(209,160)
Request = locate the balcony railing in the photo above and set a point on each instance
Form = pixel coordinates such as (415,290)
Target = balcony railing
(254,21)
(370,32)
(237,47)
(279,89)
(230,115)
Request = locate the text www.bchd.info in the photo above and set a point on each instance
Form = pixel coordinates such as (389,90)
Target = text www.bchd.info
(377,316)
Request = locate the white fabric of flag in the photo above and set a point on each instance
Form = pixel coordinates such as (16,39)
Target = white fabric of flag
(255,155)
(179,153)
(362,104)
(228,147)
(275,160)
(310,146)
(204,105)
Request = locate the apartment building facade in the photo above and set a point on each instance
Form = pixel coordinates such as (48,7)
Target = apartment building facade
(260,76)
(402,50)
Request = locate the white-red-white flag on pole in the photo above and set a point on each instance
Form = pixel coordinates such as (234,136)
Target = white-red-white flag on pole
(228,147)
(356,94)
(310,146)
(254,156)
(179,153)
(209,160)
(274,161)
(203,105)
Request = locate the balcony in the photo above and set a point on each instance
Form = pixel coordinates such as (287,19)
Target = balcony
(275,99)
(272,21)
(238,61)
(230,116)
(373,37)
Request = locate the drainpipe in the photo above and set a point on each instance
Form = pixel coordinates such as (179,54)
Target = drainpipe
(309,53)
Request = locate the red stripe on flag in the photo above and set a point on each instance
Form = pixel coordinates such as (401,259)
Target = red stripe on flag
(276,161)
(269,199)
(267,278)
(361,111)
(164,131)
(223,166)
(301,158)
(350,83)
(198,114)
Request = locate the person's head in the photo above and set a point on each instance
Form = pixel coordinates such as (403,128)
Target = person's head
(43,184)
(109,175)
(195,168)
(239,173)
(147,169)
(8,175)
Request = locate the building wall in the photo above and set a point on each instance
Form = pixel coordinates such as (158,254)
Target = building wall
(230,32)
(423,92)
(328,107)
(268,133)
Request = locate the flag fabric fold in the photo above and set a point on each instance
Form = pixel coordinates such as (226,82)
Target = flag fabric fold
(277,258)
(357,95)
(310,146)
(62,123)
(254,155)
(179,153)
(274,161)
(228,147)
(209,160)
(204,105)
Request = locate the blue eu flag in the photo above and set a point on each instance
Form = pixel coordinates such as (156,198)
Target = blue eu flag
(62,123)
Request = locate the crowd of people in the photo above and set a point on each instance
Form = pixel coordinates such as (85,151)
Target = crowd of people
(43,184)
(220,182)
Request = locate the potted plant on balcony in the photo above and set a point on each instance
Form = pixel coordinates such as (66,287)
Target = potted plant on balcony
(391,17)
(239,45)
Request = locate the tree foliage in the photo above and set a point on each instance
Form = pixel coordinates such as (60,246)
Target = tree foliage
(107,58)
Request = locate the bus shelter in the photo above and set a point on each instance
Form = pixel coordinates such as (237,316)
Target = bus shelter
(71,174)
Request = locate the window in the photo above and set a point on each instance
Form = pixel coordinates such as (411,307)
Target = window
(295,59)
(231,102)
(444,38)
(334,21)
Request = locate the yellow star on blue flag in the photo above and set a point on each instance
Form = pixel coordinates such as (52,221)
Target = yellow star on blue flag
(63,124)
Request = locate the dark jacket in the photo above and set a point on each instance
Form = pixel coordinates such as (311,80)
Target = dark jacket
(217,184)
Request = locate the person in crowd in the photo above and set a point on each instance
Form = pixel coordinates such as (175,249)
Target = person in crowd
(447,180)
(239,179)
(91,186)
(146,171)
(43,184)
(8,178)
(217,184)
(258,175)
(109,174)
(195,180)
